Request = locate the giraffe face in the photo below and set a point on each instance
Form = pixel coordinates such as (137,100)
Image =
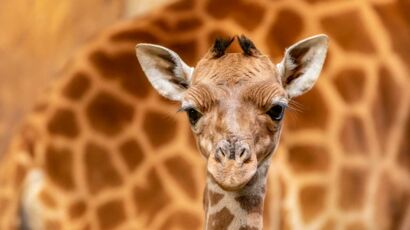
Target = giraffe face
(235,101)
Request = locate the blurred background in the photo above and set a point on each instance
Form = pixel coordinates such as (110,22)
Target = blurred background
(344,159)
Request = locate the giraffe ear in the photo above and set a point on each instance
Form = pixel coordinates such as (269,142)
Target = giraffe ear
(165,70)
(302,63)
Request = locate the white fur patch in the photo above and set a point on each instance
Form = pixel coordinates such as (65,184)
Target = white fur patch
(152,59)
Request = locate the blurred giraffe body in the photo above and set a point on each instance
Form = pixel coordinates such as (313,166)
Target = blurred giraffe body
(102,150)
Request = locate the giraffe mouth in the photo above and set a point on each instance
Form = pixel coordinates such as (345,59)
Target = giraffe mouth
(231,175)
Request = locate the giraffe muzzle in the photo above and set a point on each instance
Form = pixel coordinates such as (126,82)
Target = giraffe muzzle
(232,165)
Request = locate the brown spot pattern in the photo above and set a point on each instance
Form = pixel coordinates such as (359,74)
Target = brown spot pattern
(108,114)
(385,105)
(134,36)
(77,87)
(314,112)
(77,209)
(111,214)
(235,10)
(215,197)
(312,202)
(47,199)
(151,197)
(404,152)
(352,188)
(353,137)
(181,220)
(342,26)
(308,158)
(251,203)
(131,153)
(63,123)
(189,24)
(280,36)
(220,220)
(350,84)
(159,128)
(123,68)
(395,17)
(100,173)
(247,228)
(181,170)
(59,166)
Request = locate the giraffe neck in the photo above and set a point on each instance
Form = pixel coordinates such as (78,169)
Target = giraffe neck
(242,209)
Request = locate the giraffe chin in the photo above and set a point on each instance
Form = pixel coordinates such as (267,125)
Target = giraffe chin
(231,175)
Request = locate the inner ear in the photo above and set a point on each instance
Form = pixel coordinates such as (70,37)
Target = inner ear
(165,70)
(302,64)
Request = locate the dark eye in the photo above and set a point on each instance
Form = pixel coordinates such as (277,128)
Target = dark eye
(193,115)
(276,112)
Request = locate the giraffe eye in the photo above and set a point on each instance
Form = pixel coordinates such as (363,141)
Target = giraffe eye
(276,112)
(193,115)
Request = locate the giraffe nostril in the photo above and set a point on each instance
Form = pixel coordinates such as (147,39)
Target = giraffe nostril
(242,152)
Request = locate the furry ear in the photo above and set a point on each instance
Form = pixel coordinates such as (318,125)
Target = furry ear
(302,64)
(165,70)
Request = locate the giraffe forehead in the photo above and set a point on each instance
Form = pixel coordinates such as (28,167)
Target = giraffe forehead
(234,68)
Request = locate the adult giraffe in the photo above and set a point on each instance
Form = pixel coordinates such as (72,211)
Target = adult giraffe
(330,172)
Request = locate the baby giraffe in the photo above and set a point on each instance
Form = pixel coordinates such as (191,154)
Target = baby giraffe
(235,103)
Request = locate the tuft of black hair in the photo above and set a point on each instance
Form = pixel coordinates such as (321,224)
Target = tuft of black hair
(247,46)
(220,46)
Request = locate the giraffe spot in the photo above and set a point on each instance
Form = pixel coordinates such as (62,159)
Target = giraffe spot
(247,227)
(159,128)
(314,113)
(312,201)
(77,87)
(341,26)
(108,114)
(181,5)
(395,17)
(267,212)
(215,197)
(236,10)
(19,174)
(308,158)
(385,105)
(329,224)
(59,166)
(133,35)
(356,226)
(353,137)
(4,205)
(132,154)
(124,69)
(221,219)
(52,225)
(47,199)
(181,171)
(404,151)
(181,220)
(187,50)
(186,24)
(280,36)
(352,188)
(150,198)
(250,203)
(100,173)
(350,84)
(391,204)
(63,123)
(111,214)
(77,209)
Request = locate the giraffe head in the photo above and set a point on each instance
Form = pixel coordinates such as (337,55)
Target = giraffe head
(235,101)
